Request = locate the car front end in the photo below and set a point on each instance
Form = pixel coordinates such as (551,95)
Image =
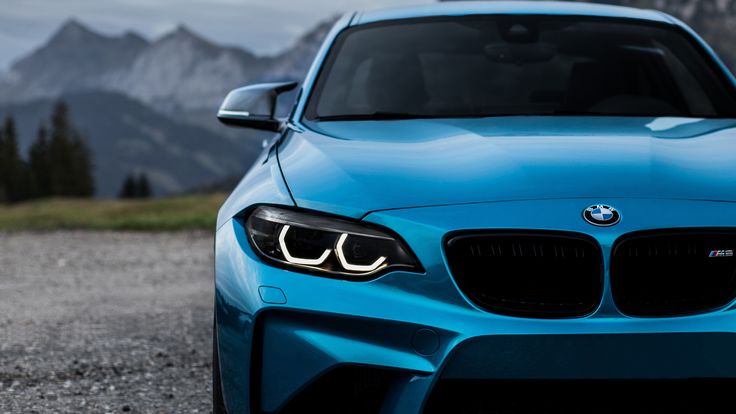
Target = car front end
(408,333)
(548,260)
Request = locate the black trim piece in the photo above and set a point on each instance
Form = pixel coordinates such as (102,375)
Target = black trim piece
(668,272)
(510,291)
(697,395)
(353,389)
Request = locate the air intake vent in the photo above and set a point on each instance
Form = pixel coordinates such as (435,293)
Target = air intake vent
(541,275)
(579,396)
(671,273)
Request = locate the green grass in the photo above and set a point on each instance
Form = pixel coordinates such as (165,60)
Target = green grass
(193,212)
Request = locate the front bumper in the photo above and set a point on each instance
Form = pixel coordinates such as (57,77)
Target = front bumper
(279,331)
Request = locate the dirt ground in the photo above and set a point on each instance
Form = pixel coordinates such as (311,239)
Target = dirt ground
(103,322)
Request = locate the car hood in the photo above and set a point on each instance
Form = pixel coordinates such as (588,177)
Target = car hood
(354,167)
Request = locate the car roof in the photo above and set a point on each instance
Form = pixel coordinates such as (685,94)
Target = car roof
(465,8)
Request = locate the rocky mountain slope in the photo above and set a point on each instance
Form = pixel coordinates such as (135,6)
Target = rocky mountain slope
(148,105)
(71,60)
(181,71)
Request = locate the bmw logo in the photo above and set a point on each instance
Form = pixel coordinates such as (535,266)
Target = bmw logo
(601,215)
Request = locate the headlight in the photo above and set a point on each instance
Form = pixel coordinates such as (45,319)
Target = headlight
(326,245)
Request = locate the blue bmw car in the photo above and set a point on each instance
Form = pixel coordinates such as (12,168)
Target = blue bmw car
(497,207)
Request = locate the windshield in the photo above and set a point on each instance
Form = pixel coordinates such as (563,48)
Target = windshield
(480,66)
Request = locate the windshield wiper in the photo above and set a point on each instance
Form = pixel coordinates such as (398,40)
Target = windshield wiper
(374,116)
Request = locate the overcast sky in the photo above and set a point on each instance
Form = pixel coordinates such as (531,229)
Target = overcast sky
(263,26)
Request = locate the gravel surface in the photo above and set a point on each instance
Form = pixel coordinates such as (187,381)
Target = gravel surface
(96,322)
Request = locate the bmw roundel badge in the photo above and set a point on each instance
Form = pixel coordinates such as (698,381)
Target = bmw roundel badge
(601,215)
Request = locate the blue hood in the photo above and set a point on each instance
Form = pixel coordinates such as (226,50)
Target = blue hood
(356,167)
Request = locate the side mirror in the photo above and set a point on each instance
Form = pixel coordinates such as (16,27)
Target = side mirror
(254,106)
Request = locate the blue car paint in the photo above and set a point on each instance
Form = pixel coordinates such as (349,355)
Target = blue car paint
(263,183)
(438,162)
(659,173)
(324,318)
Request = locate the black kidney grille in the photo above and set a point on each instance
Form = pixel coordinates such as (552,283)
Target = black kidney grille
(545,275)
(674,272)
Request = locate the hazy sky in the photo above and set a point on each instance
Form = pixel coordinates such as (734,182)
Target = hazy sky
(263,26)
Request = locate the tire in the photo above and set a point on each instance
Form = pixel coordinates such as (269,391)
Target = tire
(218,402)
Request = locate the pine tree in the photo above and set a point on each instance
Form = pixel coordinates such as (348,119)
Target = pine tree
(59,166)
(60,158)
(13,174)
(70,161)
(40,164)
(143,188)
(129,188)
(83,183)
(3,169)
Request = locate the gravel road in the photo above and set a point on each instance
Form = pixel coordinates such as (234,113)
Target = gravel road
(96,322)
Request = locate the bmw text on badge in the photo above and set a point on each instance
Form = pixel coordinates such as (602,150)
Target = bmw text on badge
(602,215)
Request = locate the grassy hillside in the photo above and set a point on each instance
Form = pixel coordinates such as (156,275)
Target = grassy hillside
(166,214)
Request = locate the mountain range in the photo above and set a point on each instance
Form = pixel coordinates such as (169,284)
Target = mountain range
(148,105)
(178,71)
